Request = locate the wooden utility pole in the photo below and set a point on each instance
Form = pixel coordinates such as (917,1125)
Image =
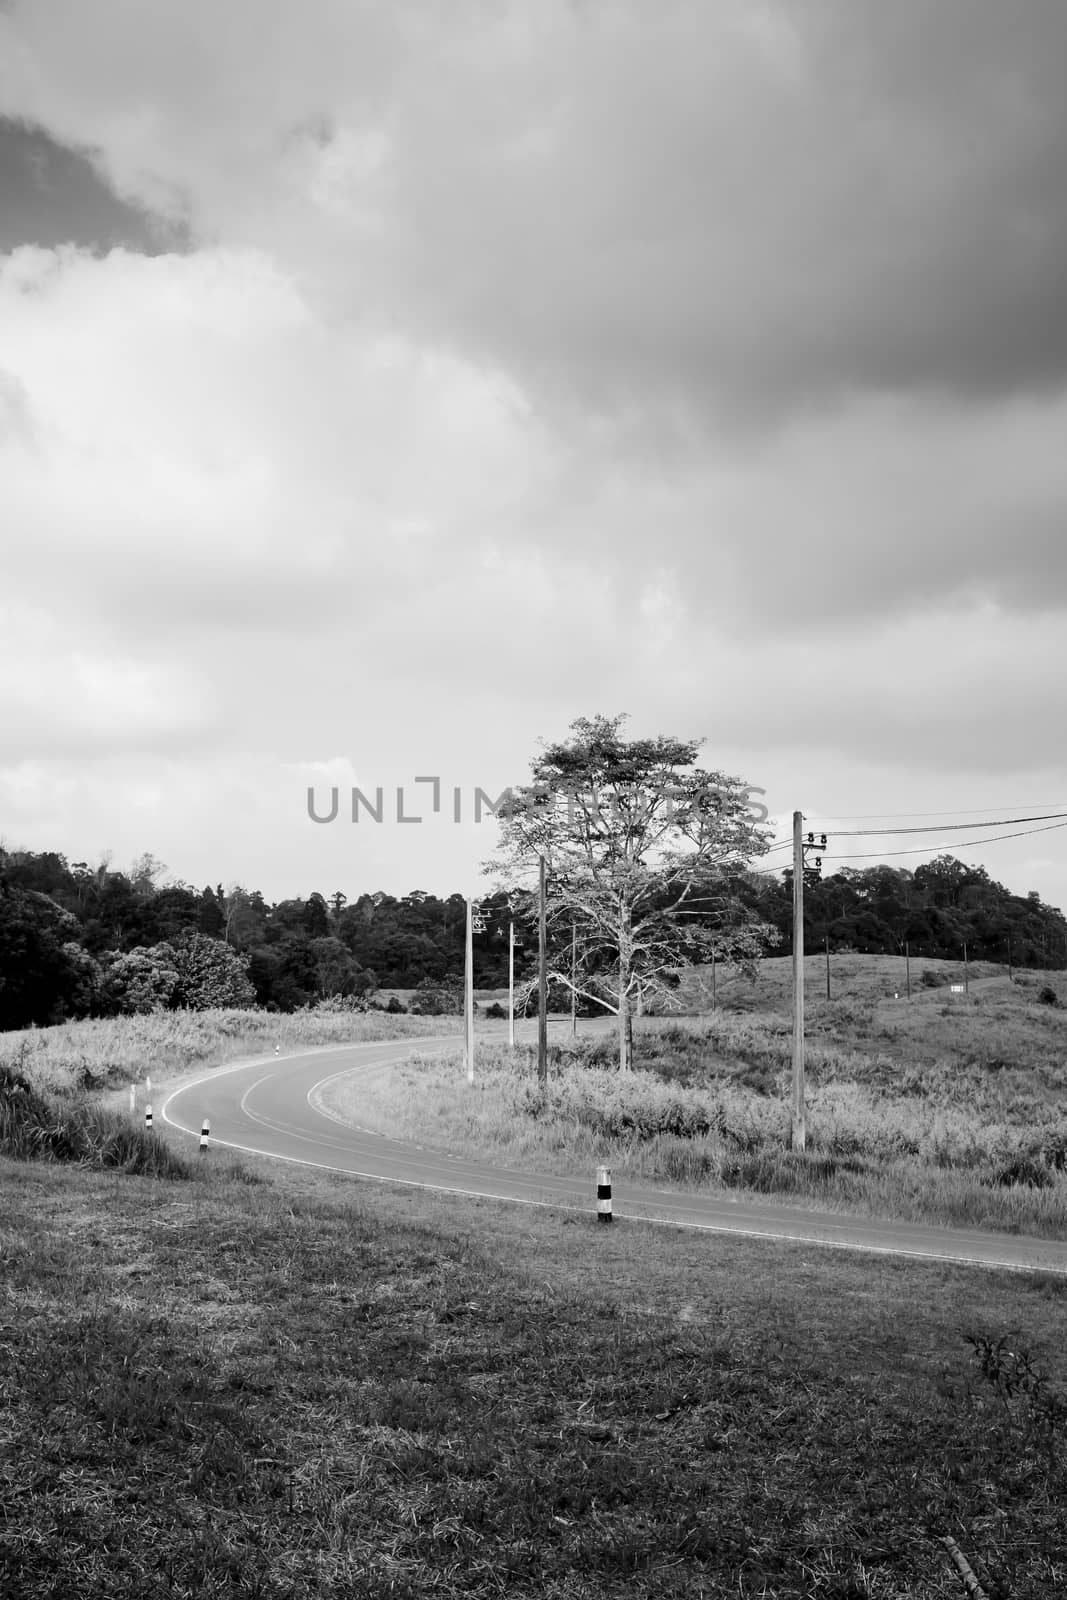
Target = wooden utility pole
(798,1132)
(574,979)
(542,987)
(468,993)
(511,983)
(907,967)
(966,971)
(713,980)
(827,937)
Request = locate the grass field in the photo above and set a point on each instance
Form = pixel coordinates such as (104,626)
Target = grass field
(951,1108)
(226,1386)
(233,1378)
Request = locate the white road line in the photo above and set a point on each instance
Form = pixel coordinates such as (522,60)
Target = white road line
(769,1234)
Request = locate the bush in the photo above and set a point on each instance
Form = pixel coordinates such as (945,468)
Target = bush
(496,1010)
(933,980)
(1047,996)
(1024,1169)
(31,1128)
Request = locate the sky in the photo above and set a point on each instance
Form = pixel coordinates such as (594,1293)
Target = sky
(384,387)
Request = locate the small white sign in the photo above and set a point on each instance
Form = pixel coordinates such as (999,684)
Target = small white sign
(957,988)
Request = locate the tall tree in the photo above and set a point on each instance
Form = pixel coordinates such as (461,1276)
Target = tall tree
(640,845)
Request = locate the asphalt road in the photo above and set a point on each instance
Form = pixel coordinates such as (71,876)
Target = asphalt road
(267,1105)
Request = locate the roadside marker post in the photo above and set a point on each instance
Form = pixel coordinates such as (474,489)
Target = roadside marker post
(133,1098)
(603,1194)
(204,1132)
(148,1119)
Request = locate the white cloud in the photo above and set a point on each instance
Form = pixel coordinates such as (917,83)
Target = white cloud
(527,365)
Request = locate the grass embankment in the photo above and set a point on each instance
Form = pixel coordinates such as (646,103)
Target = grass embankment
(112,1053)
(308,1388)
(950,1112)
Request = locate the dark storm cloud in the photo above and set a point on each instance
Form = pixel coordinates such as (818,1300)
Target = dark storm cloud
(754,210)
(51,195)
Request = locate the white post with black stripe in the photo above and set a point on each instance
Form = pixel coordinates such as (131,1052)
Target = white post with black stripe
(603,1194)
(205,1132)
(133,1098)
(148,1119)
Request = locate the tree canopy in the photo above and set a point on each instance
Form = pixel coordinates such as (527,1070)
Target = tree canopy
(640,845)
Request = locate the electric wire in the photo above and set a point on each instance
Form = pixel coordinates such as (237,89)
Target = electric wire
(921,850)
(942,827)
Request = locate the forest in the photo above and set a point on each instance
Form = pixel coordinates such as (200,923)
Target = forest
(78,940)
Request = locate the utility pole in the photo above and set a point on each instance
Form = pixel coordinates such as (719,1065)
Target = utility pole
(827,938)
(511,983)
(907,967)
(713,980)
(468,993)
(966,971)
(542,988)
(798,1129)
(574,979)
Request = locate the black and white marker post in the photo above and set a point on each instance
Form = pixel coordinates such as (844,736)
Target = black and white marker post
(603,1194)
(204,1133)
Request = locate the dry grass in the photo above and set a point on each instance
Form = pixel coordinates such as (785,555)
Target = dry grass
(112,1052)
(311,1388)
(950,1113)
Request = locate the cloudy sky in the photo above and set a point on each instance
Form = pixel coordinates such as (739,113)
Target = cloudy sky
(385,385)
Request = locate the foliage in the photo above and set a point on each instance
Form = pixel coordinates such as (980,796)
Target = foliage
(639,844)
(42,971)
(139,981)
(63,924)
(438,999)
(33,1128)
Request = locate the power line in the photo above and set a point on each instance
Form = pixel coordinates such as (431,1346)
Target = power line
(944,827)
(922,850)
(882,855)
(955,811)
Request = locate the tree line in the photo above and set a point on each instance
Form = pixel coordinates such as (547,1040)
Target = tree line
(81,940)
(934,911)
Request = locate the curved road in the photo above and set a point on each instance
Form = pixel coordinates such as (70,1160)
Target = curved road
(267,1106)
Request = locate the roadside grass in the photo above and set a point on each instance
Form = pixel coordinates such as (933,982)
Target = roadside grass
(949,1112)
(852,976)
(35,1127)
(306,1386)
(113,1052)
(972,1133)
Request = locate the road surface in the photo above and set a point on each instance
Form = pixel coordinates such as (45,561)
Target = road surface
(267,1105)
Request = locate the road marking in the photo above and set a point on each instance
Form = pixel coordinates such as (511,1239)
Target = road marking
(769,1234)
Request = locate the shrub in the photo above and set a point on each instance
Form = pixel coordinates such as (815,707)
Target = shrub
(933,980)
(1047,996)
(1025,1170)
(33,1129)
(496,1010)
